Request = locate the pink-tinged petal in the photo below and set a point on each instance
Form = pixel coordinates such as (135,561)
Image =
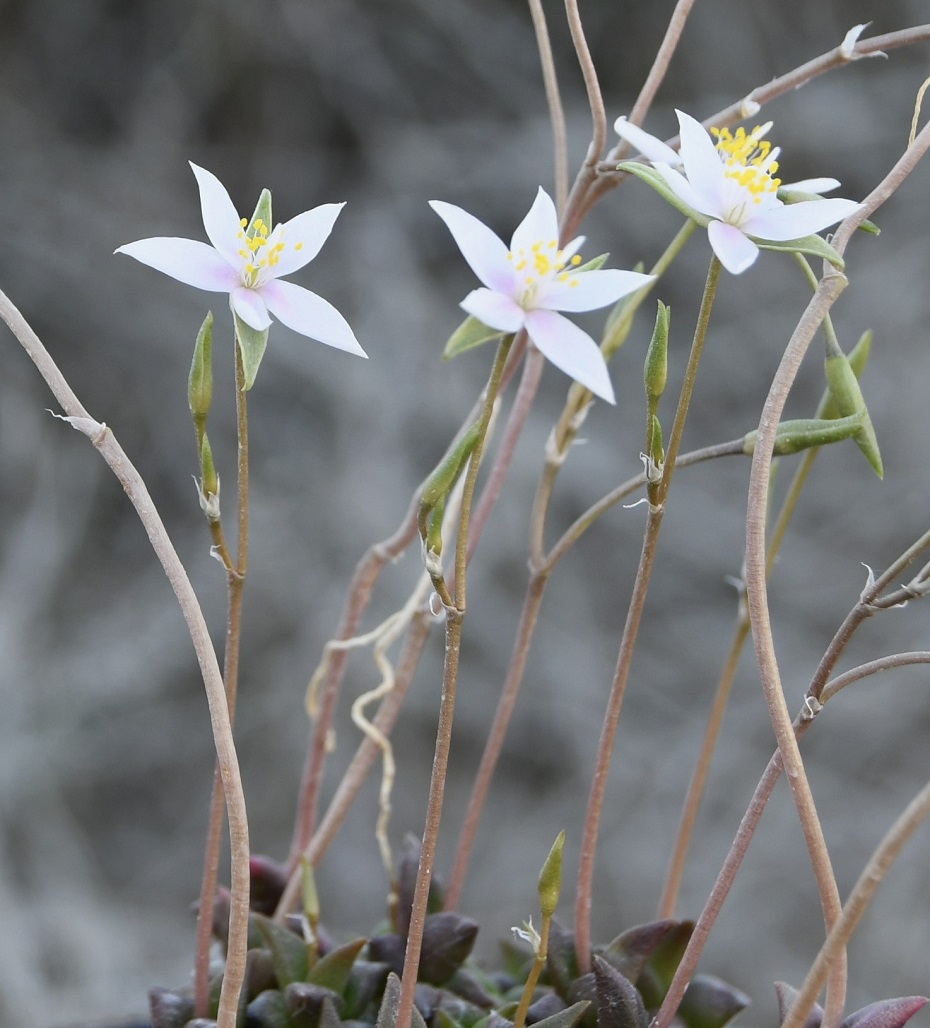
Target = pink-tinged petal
(795,220)
(702,163)
(570,350)
(219,215)
(189,261)
(304,237)
(590,290)
(250,307)
(494,309)
(484,252)
(813,185)
(735,252)
(310,315)
(649,146)
(541,224)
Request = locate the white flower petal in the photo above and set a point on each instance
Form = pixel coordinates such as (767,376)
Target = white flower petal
(494,309)
(794,220)
(685,192)
(482,249)
(813,185)
(702,163)
(571,350)
(541,224)
(250,307)
(735,252)
(591,289)
(304,237)
(219,215)
(189,261)
(649,146)
(310,315)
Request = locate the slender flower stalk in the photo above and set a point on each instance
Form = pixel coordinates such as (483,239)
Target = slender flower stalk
(585,887)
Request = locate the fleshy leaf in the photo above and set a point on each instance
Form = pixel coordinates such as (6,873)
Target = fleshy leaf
(268,1010)
(468,335)
(631,950)
(252,343)
(812,246)
(561,959)
(787,994)
(711,1003)
(566,1018)
(305,1003)
(886,1013)
(387,1015)
(657,975)
(333,970)
(448,939)
(288,951)
(365,982)
(169,1009)
(619,1005)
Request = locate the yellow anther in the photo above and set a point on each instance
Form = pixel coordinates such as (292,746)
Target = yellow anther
(576,260)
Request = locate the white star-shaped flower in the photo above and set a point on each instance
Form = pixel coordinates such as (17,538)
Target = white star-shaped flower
(248,262)
(525,285)
(731,185)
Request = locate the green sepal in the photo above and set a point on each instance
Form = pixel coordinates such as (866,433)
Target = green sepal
(434,532)
(251,345)
(858,358)
(550,878)
(209,480)
(595,264)
(655,373)
(653,178)
(449,469)
(812,246)
(200,379)
(844,387)
(805,433)
(261,214)
(468,335)
(656,446)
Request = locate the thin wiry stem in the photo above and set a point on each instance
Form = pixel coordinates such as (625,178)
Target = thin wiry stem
(116,459)
(554,100)
(235,583)
(834,947)
(657,499)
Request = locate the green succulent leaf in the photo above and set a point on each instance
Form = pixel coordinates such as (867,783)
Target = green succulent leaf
(619,1005)
(656,976)
(268,1010)
(305,1004)
(631,950)
(448,939)
(333,970)
(288,951)
(566,1018)
(387,1015)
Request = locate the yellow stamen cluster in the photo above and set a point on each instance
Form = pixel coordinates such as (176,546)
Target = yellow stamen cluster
(544,260)
(256,251)
(748,159)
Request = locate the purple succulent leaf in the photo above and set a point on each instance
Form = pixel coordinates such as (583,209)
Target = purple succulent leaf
(886,1013)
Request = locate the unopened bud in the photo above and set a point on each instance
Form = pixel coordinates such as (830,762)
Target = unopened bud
(550,878)
(655,373)
(209,489)
(200,379)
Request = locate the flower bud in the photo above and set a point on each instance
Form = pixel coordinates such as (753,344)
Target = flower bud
(200,379)
(209,489)
(550,878)
(655,373)
(844,387)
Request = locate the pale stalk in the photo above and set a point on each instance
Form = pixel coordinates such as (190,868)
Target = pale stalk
(554,102)
(105,442)
(455,615)
(235,583)
(657,500)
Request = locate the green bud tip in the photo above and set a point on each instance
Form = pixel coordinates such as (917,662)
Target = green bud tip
(311,900)
(550,878)
(655,373)
(200,379)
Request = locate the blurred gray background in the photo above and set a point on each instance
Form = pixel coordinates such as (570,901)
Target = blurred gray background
(105,751)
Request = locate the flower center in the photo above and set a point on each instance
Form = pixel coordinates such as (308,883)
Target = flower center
(542,263)
(749,160)
(260,250)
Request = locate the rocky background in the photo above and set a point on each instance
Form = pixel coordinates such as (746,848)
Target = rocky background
(105,752)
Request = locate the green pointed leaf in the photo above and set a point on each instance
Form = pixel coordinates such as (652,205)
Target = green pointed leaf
(630,951)
(288,951)
(252,345)
(268,1010)
(566,1018)
(468,335)
(657,975)
(387,1015)
(333,970)
(619,1005)
(812,246)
